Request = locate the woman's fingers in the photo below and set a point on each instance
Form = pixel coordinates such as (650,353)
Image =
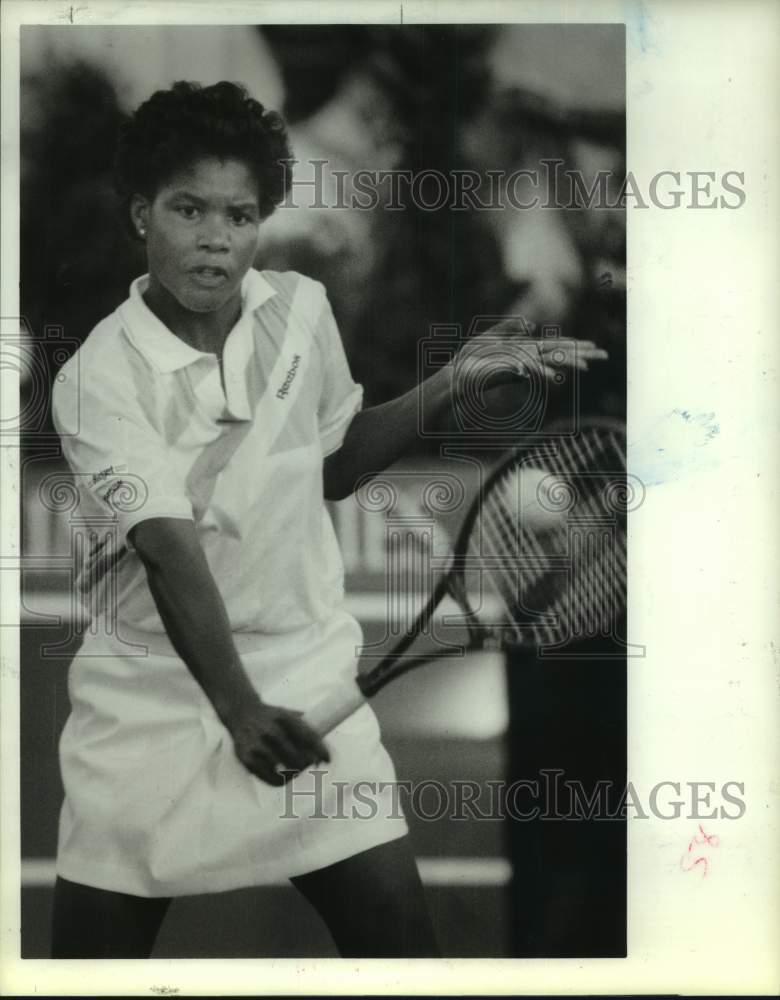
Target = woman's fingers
(557,345)
(571,352)
(292,748)
(586,348)
(547,371)
(521,330)
(261,761)
(305,737)
(300,746)
(270,775)
(550,363)
(287,754)
(275,744)
(591,353)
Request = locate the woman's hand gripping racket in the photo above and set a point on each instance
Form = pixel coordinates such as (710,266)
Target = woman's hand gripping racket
(540,558)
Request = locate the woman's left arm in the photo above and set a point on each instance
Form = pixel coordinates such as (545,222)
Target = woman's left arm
(381,435)
(377,437)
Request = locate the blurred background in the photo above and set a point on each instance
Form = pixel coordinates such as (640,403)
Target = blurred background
(447,98)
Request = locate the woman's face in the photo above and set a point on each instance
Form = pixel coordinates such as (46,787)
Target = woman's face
(201,232)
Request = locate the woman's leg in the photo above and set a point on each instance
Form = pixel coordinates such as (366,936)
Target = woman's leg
(96,923)
(373,904)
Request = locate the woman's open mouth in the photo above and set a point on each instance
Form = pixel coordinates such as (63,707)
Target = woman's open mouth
(209,277)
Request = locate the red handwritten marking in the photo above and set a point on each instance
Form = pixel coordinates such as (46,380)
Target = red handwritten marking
(697,861)
(711,840)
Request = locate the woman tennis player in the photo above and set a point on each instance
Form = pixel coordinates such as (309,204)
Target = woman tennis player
(206,420)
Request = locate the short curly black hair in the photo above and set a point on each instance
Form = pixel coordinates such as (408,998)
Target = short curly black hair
(176,127)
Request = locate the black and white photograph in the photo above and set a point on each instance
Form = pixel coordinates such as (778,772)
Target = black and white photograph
(389,568)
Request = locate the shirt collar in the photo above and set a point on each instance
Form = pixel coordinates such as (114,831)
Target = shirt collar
(162,348)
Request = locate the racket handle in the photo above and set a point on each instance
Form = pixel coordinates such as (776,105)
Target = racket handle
(335,708)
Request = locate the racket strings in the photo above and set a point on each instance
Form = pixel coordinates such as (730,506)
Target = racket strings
(587,605)
(497,542)
(596,591)
(568,580)
(502,527)
(591,602)
(507,546)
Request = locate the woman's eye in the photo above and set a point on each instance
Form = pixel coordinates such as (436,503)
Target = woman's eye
(188,211)
(239,218)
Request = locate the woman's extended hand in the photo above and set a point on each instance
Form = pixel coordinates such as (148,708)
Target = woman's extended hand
(509,351)
(275,743)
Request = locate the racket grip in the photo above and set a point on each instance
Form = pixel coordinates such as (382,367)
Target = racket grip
(335,708)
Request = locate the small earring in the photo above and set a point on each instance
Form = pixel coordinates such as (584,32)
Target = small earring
(142,231)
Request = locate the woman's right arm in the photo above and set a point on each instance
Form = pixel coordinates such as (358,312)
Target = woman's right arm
(195,618)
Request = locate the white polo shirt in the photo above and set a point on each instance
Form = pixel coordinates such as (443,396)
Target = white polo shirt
(148,431)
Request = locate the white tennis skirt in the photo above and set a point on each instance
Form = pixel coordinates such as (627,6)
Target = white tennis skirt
(157,803)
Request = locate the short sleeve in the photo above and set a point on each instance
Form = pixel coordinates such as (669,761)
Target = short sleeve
(119,461)
(340,396)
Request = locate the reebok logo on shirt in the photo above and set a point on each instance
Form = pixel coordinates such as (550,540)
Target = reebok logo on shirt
(112,470)
(284,388)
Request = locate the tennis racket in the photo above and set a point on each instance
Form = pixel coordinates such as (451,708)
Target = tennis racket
(539,560)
